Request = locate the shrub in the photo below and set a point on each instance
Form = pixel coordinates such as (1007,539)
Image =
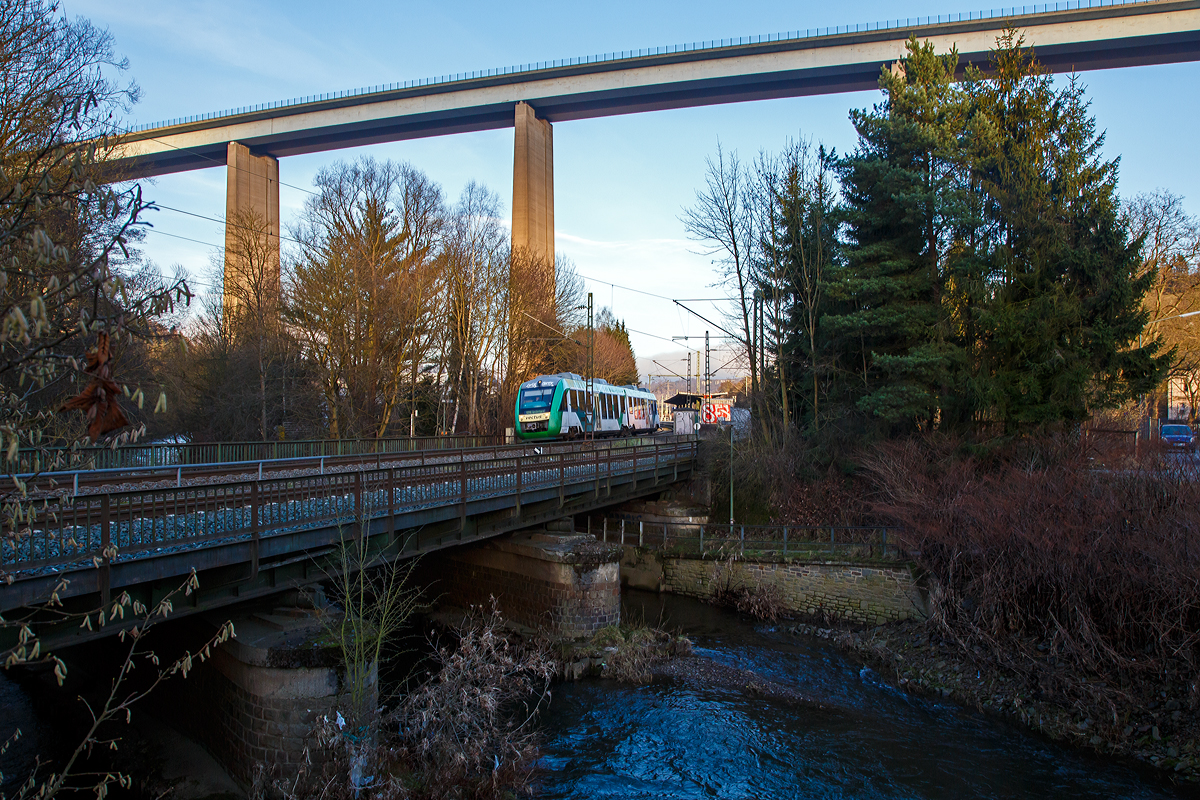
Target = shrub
(468,731)
(1028,546)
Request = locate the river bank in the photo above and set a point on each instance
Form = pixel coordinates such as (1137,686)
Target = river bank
(759,712)
(1152,722)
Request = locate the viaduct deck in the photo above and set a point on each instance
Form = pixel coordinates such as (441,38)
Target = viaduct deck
(254,537)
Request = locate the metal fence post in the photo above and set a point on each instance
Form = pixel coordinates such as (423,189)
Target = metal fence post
(641,530)
(622,533)
(462,513)
(391,503)
(743,538)
(604,527)
(785,540)
(254,530)
(102,574)
(518,487)
(359,515)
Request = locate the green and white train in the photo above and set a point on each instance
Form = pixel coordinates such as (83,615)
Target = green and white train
(558,407)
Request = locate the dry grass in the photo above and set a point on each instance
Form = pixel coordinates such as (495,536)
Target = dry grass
(762,600)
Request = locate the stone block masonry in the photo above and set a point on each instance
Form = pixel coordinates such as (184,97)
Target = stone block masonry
(255,704)
(568,585)
(865,594)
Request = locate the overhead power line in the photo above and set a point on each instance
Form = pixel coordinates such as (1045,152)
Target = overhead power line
(223,222)
(650,294)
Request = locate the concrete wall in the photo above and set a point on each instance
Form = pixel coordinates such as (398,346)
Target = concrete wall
(867,594)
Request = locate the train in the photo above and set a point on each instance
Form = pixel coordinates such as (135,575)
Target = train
(558,407)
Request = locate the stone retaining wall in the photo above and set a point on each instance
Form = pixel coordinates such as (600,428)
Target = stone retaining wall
(863,593)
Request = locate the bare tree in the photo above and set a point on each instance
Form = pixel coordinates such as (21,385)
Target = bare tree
(475,266)
(252,301)
(67,305)
(1171,249)
(723,220)
(361,285)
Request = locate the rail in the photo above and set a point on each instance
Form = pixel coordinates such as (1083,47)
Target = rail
(95,530)
(719,541)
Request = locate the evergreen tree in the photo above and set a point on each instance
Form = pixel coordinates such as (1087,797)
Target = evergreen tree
(901,195)
(1065,302)
(799,250)
(989,276)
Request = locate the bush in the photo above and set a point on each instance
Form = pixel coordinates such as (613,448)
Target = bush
(784,479)
(468,731)
(1031,549)
(764,601)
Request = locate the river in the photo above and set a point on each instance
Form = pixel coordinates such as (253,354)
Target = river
(705,738)
(684,738)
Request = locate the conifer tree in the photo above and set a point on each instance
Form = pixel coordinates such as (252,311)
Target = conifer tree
(901,202)
(1065,306)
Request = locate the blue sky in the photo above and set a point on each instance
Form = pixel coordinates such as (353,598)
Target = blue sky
(620,182)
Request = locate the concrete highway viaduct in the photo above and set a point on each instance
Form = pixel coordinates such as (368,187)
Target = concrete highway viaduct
(1067,36)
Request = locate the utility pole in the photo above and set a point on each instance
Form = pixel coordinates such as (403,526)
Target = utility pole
(591,371)
(707,366)
(731,477)
(688,388)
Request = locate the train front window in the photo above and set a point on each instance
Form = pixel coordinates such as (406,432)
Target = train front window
(536,399)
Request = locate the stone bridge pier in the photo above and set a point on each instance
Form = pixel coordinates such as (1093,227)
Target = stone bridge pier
(551,578)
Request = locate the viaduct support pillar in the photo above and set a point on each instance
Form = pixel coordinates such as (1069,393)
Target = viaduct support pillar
(251,223)
(533,185)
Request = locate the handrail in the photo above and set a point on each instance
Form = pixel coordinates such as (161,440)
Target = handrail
(95,529)
(172,454)
(723,539)
(1007,12)
(95,477)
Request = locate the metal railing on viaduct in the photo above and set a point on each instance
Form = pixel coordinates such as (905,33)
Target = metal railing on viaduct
(253,536)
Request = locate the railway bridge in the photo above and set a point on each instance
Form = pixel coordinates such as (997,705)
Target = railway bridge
(252,529)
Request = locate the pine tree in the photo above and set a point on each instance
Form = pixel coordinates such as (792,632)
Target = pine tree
(1064,305)
(902,194)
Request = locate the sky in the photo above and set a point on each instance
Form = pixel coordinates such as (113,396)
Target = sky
(621,183)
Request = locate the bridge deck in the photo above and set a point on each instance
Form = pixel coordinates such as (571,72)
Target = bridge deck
(104,542)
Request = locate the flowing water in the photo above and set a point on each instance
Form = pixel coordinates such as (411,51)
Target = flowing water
(699,738)
(711,735)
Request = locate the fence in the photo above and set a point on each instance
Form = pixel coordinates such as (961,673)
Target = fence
(189,454)
(722,540)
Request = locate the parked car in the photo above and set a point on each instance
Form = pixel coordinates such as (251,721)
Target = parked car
(1180,436)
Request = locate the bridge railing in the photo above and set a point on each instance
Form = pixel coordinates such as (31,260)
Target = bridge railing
(84,481)
(721,541)
(96,529)
(172,454)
